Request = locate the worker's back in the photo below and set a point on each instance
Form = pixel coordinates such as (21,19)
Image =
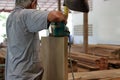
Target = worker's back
(23,49)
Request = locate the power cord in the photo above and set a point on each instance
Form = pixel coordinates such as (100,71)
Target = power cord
(71,65)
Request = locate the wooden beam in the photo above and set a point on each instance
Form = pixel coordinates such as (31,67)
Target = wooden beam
(59,5)
(85,43)
(54,57)
(97,75)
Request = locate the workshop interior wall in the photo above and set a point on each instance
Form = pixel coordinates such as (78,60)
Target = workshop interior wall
(105,18)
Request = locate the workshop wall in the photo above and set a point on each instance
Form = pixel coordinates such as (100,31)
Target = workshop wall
(105,18)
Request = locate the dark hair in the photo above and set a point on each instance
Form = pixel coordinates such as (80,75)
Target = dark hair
(23,3)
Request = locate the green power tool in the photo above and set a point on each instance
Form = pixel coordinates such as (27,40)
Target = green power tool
(60,29)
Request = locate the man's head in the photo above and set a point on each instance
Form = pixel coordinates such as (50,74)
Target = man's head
(29,4)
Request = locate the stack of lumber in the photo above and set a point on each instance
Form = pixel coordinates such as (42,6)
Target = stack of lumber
(99,50)
(111,52)
(2,52)
(97,75)
(2,62)
(2,55)
(90,62)
(106,51)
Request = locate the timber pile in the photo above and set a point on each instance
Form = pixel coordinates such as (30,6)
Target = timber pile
(97,75)
(90,62)
(2,55)
(111,52)
(2,52)
(2,62)
(106,50)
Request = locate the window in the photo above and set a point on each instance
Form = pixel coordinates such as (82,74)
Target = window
(78,30)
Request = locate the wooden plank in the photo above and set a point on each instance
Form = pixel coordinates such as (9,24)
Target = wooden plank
(91,68)
(100,75)
(2,52)
(100,45)
(85,55)
(109,46)
(54,56)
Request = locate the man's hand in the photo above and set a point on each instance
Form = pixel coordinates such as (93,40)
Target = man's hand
(56,16)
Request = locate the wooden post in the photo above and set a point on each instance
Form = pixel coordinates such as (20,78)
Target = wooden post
(54,58)
(59,5)
(85,43)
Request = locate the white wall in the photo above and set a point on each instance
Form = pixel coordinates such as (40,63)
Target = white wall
(2,27)
(77,19)
(105,18)
(107,21)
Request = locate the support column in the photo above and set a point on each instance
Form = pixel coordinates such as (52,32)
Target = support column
(59,5)
(85,43)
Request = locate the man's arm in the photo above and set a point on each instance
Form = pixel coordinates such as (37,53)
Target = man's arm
(37,20)
(56,16)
